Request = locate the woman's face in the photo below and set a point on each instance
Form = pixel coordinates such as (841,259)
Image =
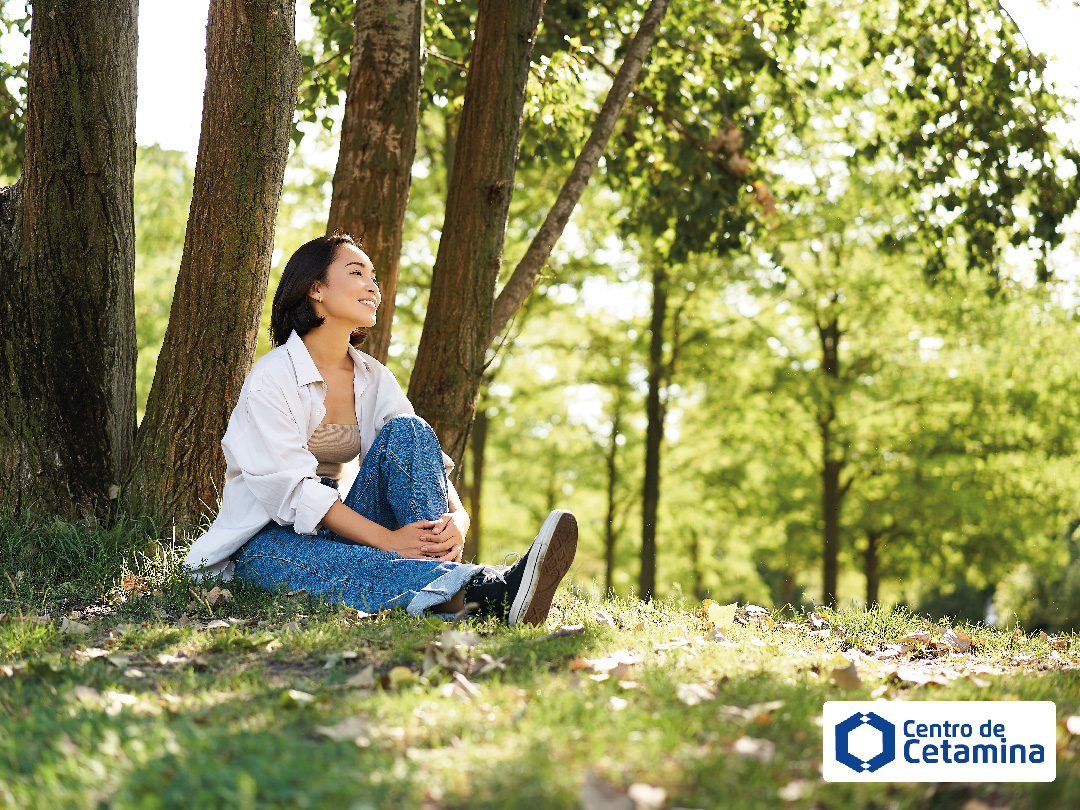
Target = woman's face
(350,293)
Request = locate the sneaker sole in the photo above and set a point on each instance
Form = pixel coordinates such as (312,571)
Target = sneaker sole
(556,545)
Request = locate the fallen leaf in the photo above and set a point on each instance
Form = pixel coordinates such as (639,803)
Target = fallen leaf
(217,624)
(216,595)
(846,677)
(299,593)
(958,640)
(646,797)
(291,698)
(486,663)
(364,679)
(398,675)
(290,627)
(1022,658)
(793,790)
(694,693)
(597,793)
(459,686)
(118,660)
(134,583)
(91,652)
(721,616)
(617,704)
(75,628)
(133,672)
(919,677)
(355,728)
(604,618)
(920,638)
(86,694)
(761,750)
(1061,643)
(817,622)
(565,630)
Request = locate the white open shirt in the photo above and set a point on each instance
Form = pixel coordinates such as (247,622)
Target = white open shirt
(269,471)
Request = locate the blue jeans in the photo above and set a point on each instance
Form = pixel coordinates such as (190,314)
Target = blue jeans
(401,480)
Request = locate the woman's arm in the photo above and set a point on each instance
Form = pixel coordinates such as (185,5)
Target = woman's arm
(406,541)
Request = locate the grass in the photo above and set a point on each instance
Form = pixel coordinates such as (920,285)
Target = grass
(176,714)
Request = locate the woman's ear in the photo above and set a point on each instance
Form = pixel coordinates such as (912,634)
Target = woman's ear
(315,292)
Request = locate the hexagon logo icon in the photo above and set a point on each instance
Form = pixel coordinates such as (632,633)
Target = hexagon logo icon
(859,730)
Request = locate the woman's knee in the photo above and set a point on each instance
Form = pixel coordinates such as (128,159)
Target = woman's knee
(407,427)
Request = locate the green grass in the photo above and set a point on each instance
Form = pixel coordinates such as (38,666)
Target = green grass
(218,728)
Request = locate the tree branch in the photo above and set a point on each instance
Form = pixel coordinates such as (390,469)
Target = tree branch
(528,270)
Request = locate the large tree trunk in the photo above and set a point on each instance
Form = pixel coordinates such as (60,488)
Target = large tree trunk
(378,143)
(67,264)
(253,73)
(450,357)
(654,434)
(832,465)
(611,535)
(474,542)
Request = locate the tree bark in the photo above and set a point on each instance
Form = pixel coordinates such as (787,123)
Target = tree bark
(474,542)
(832,494)
(450,357)
(654,434)
(378,143)
(253,73)
(610,534)
(67,264)
(528,270)
(870,560)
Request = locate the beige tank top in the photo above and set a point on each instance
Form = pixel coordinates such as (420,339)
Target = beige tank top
(333,446)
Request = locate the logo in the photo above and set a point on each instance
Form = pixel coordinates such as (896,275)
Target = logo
(865,732)
(938,741)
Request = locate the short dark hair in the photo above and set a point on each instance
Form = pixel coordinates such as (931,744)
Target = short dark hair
(292,308)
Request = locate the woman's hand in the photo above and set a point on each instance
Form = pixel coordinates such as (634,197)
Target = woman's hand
(446,540)
(411,540)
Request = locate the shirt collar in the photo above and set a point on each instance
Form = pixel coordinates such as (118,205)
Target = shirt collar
(303,366)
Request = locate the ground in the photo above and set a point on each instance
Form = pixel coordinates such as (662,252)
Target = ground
(191,697)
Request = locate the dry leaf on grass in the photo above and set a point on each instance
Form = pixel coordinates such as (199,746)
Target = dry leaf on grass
(846,677)
(793,790)
(720,616)
(597,793)
(216,596)
(565,630)
(919,638)
(118,660)
(919,677)
(397,676)
(86,694)
(290,627)
(604,618)
(355,728)
(460,687)
(291,698)
(694,693)
(957,640)
(617,704)
(364,679)
(217,624)
(646,797)
(134,583)
(761,750)
(73,627)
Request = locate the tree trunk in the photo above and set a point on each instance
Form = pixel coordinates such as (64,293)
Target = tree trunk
(450,357)
(253,73)
(378,143)
(654,434)
(474,542)
(532,263)
(67,264)
(870,559)
(832,494)
(610,535)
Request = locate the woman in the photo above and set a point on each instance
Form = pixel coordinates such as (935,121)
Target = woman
(309,408)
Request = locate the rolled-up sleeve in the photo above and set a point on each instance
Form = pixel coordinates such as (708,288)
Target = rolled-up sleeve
(277,468)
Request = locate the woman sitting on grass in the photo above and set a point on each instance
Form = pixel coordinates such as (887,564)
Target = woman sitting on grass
(311,406)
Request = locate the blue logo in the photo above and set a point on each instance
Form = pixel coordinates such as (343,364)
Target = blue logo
(860,725)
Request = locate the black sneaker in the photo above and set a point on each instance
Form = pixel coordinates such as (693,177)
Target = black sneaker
(528,586)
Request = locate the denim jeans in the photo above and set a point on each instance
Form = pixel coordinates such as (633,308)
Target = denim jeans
(401,480)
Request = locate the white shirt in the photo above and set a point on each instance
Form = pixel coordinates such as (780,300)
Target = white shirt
(269,471)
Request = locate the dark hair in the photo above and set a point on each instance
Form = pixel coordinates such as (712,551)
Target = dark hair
(292,308)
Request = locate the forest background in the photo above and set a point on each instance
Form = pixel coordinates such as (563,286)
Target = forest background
(827,350)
